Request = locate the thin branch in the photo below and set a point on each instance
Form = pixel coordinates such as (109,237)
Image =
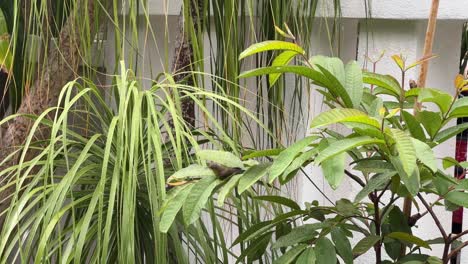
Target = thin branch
(434,216)
(457,236)
(355,178)
(455,251)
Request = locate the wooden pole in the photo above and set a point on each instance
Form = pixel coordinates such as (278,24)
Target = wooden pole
(431,27)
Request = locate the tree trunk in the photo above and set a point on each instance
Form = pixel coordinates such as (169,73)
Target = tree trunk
(184,57)
(61,67)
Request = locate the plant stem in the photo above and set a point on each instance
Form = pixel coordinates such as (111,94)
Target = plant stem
(439,226)
(378,246)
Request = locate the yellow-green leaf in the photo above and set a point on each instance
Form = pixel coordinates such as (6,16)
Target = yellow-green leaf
(269,46)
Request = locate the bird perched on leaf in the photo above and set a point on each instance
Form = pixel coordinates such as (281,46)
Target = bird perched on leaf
(222,171)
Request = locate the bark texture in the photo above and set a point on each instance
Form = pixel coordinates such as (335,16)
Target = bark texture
(184,57)
(61,67)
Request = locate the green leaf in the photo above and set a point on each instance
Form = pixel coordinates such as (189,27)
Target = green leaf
(353,83)
(252,175)
(300,160)
(334,66)
(386,82)
(406,151)
(377,182)
(269,46)
(413,126)
(336,87)
(343,145)
(197,198)
(325,251)
(373,166)
(297,235)
(458,198)
(425,154)
(412,181)
(173,207)
(304,71)
(262,153)
(459,108)
(193,171)
(450,132)
(290,255)
(431,121)
(399,61)
(442,99)
(257,248)
(253,231)
(287,156)
(333,169)
(343,247)
(227,188)
(365,244)
(281,60)
(408,238)
(221,157)
(261,227)
(307,257)
(375,107)
(279,200)
(340,115)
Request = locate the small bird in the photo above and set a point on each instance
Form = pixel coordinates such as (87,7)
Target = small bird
(413,84)
(222,171)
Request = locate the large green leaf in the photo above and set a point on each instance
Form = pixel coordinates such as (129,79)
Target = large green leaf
(173,207)
(261,153)
(287,156)
(256,249)
(409,238)
(334,66)
(336,87)
(459,108)
(442,99)
(269,46)
(406,151)
(375,183)
(325,251)
(252,175)
(304,71)
(279,200)
(343,145)
(193,171)
(450,132)
(386,82)
(221,157)
(307,257)
(227,188)
(343,247)
(346,115)
(425,154)
(353,83)
(197,198)
(333,169)
(413,126)
(432,121)
(297,235)
(281,60)
(365,244)
(458,198)
(290,255)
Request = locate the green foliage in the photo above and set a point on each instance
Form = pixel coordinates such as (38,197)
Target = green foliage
(390,149)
